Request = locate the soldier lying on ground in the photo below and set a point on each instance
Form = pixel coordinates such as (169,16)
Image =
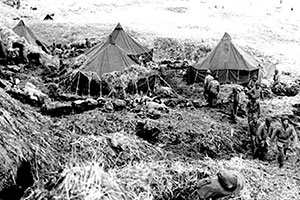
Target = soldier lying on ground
(225,183)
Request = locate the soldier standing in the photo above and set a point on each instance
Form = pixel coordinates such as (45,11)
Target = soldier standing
(264,131)
(213,91)
(234,101)
(208,78)
(253,109)
(286,137)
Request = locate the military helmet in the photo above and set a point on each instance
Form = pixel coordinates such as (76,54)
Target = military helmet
(269,119)
(285,117)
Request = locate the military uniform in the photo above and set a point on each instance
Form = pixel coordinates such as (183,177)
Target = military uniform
(256,93)
(226,183)
(207,81)
(253,127)
(234,101)
(284,136)
(253,110)
(261,147)
(213,91)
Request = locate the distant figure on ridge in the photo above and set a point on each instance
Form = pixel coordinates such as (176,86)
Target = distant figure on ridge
(276,77)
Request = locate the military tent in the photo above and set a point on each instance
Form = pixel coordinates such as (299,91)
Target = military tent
(228,61)
(87,79)
(3,54)
(108,59)
(23,31)
(125,42)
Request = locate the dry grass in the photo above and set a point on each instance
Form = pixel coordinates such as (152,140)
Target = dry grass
(168,180)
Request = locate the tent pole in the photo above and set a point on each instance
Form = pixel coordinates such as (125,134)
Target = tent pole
(154,83)
(227,76)
(237,81)
(77,84)
(148,86)
(89,86)
(195,79)
(69,86)
(168,85)
(136,88)
(248,76)
(100,85)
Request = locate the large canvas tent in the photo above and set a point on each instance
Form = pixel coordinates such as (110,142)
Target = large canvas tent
(111,58)
(227,61)
(108,59)
(2,50)
(125,42)
(23,31)
(3,54)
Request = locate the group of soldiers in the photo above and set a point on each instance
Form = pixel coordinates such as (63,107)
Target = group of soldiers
(261,134)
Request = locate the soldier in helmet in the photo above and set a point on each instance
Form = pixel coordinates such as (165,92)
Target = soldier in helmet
(264,131)
(286,137)
(256,92)
(208,78)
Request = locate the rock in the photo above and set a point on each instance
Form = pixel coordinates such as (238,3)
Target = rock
(84,105)
(119,104)
(165,92)
(171,103)
(57,109)
(28,93)
(146,132)
(286,89)
(33,92)
(91,102)
(101,101)
(108,106)
(154,105)
(4,83)
(153,114)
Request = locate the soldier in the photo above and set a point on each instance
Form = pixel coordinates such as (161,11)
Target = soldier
(225,183)
(208,78)
(253,126)
(234,101)
(286,137)
(276,77)
(252,82)
(87,43)
(256,92)
(264,131)
(253,109)
(213,91)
